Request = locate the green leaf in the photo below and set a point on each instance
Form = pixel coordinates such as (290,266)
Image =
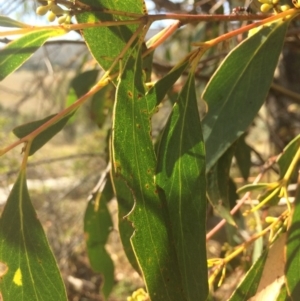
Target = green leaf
(32,271)
(243,157)
(293,252)
(8,22)
(106,43)
(238,88)
(42,138)
(97,226)
(134,162)
(288,154)
(181,175)
(250,283)
(17,52)
(218,186)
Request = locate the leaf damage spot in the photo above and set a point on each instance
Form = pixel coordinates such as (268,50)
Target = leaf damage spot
(130,95)
(3,269)
(18,277)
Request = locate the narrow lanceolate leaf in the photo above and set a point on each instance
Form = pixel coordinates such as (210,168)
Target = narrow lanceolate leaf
(97,226)
(292,252)
(250,283)
(157,93)
(17,52)
(32,273)
(243,157)
(42,138)
(9,22)
(181,175)
(238,88)
(134,161)
(106,43)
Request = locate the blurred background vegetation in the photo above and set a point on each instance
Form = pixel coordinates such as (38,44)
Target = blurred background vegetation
(63,173)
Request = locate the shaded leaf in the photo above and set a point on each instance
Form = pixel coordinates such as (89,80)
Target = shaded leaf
(147,65)
(243,157)
(249,285)
(134,162)
(218,186)
(9,22)
(32,271)
(238,88)
(97,226)
(181,175)
(42,138)
(292,254)
(17,52)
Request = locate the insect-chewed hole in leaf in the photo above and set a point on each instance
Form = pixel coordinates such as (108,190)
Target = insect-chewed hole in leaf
(3,269)
(139,96)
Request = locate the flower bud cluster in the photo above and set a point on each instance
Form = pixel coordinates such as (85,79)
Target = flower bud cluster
(54,11)
(269,4)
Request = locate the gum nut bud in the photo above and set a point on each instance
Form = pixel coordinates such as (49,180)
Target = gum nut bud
(57,10)
(42,10)
(51,16)
(265,7)
(275,1)
(285,7)
(62,19)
